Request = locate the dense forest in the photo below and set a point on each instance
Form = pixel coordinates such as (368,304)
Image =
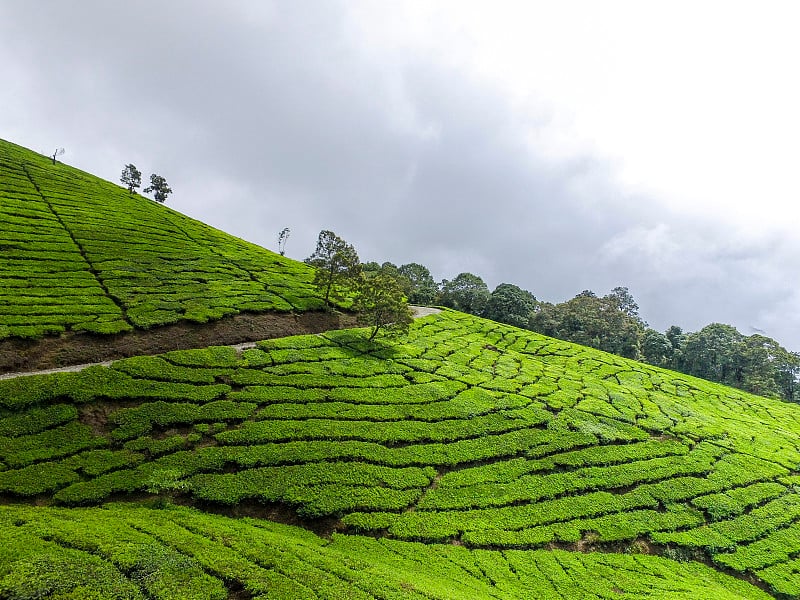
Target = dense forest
(717,352)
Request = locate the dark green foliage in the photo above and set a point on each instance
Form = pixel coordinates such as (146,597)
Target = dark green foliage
(607,323)
(710,353)
(422,288)
(754,363)
(510,305)
(381,304)
(131,178)
(657,349)
(337,267)
(467,293)
(159,188)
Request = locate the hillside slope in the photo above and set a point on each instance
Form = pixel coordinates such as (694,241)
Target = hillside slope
(81,254)
(133,552)
(464,433)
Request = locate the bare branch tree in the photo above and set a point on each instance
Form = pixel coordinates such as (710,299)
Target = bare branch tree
(283,236)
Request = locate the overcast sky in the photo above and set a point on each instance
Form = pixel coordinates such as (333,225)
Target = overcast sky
(560,146)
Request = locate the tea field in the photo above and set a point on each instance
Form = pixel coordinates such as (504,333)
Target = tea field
(81,254)
(129,551)
(466,459)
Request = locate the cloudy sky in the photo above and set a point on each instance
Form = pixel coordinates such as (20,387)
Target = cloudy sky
(560,146)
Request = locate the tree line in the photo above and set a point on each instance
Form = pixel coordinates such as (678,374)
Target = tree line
(717,352)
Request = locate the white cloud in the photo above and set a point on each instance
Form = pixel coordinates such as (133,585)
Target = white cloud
(693,104)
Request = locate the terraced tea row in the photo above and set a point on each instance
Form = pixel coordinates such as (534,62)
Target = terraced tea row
(46,285)
(465,431)
(81,254)
(127,552)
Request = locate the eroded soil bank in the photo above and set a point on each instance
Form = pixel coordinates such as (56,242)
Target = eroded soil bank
(78,348)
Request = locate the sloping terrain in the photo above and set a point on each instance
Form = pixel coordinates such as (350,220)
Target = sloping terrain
(81,254)
(491,445)
(133,552)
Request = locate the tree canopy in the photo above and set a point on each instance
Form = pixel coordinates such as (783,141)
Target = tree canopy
(337,265)
(755,363)
(381,302)
(422,287)
(467,293)
(131,178)
(601,323)
(510,304)
(158,186)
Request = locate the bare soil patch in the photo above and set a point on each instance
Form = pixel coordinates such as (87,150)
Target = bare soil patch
(80,348)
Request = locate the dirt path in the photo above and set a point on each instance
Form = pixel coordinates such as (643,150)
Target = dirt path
(105,363)
(81,348)
(69,369)
(278,326)
(424,311)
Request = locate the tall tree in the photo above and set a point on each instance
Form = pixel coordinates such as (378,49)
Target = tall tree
(624,301)
(422,287)
(158,185)
(337,267)
(381,303)
(656,348)
(131,178)
(510,304)
(597,322)
(713,353)
(467,293)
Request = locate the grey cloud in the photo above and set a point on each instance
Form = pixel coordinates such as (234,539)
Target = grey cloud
(692,274)
(265,115)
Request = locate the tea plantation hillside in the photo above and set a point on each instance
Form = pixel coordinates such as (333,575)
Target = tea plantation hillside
(79,253)
(478,460)
(133,552)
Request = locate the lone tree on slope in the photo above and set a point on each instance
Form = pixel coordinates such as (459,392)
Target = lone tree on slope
(337,264)
(381,303)
(57,152)
(158,185)
(283,237)
(131,178)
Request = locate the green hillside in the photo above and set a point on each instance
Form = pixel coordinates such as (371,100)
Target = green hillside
(133,552)
(480,459)
(79,253)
